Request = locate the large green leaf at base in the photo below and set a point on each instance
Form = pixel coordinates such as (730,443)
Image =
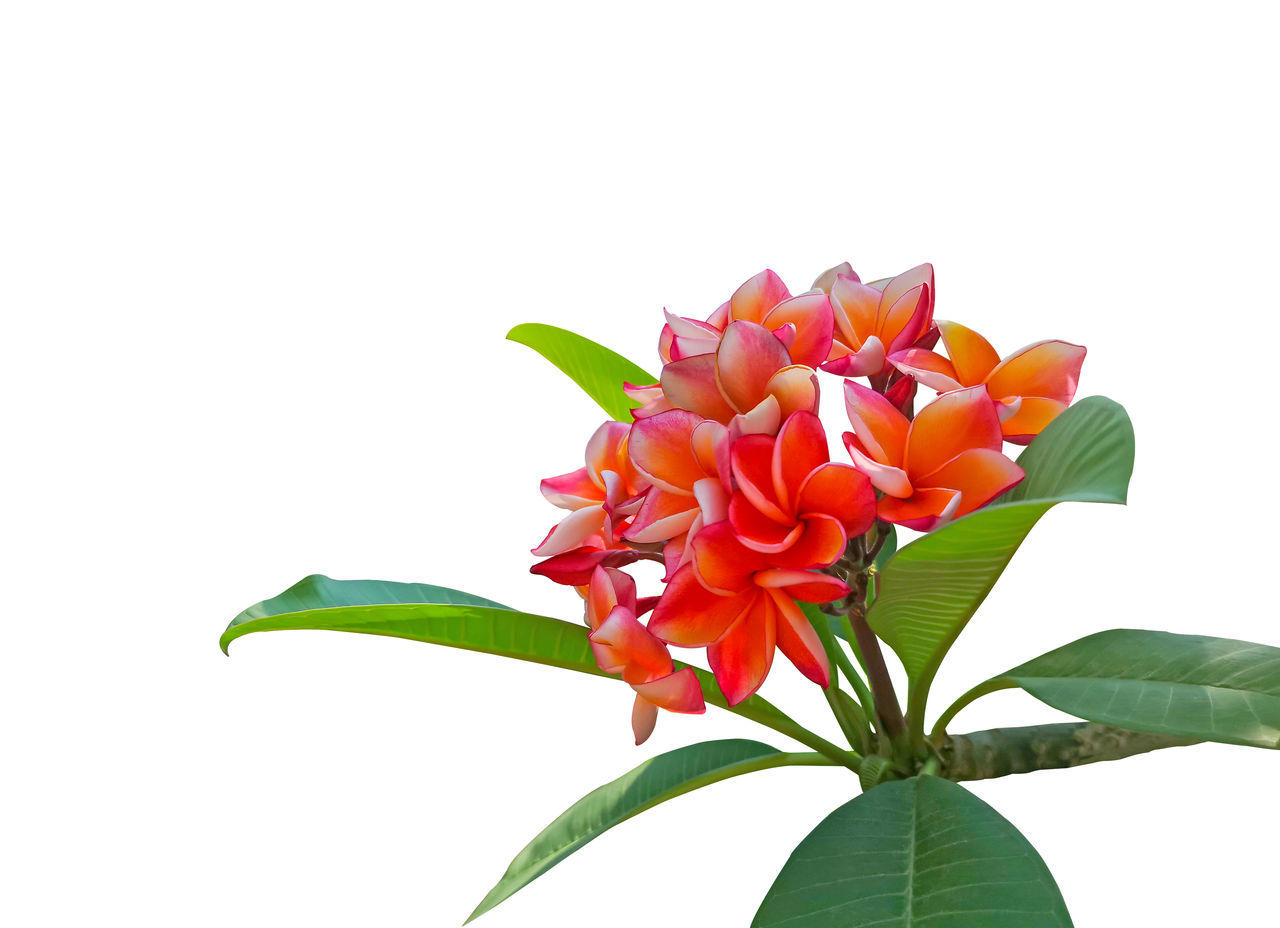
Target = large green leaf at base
(598,370)
(654,781)
(918,853)
(933,586)
(439,615)
(1212,689)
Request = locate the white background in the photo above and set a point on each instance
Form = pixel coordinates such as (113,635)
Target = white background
(257,263)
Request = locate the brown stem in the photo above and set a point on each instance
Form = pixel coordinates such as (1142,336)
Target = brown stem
(887,706)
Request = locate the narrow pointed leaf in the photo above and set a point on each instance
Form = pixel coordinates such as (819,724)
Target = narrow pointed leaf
(654,781)
(931,588)
(1190,686)
(918,853)
(598,370)
(438,615)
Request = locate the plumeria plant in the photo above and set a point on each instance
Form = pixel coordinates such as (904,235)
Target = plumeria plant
(720,471)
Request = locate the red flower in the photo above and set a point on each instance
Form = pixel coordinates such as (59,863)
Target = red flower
(791,501)
(872,321)
(740,605)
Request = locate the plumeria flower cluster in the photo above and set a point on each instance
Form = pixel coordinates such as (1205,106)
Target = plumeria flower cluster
(725,475)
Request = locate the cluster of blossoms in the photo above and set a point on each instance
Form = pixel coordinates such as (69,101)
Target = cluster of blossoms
(725,475)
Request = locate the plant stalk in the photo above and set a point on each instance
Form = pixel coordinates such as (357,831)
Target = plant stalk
(1000,752)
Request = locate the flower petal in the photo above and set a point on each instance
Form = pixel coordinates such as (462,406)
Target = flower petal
(853,306)
(662,517)
(884,477)
(924,511)
(742,657)
(690,384)
(827,278)
(800,449)
(757,531)
(607,450)
(795,388)
(841,491)
(819,542)
(811,314)
(629,643)
(757,296)
(573,490)
(881,429)
(723,564)
(676,692)
(661,448)
(928,368)
(1049,369)
(751,458)
(1034,413)
(911,319)
(690,615)
(644,718)
(608,587)
(572,531)
(746,361)
(902,324)
(980,475)
(798,640)
(804,585)
(971,355)
(952,423)
(574,568)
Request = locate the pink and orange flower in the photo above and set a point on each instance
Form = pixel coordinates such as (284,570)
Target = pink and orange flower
(726,477)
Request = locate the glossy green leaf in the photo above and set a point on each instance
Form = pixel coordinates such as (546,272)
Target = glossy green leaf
(411,611)
(1191,686)
(918,853)
(598,370)
(654,781)
(931,588)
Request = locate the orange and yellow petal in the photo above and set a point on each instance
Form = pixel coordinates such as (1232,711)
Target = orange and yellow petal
(923,511)
(804,585)
(854,306)
(902,323)
(826,280)
(980,475)
(795,388)
(928,368)
(1034,413)
(1048,369)
(661,448)
(880,428)
(952,423)
(884,477)
(971,355)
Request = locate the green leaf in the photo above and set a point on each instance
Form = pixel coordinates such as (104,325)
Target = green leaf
(919,852)
(933,586)
(411,611)
(599,371)
(654,781)
(1191,686)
